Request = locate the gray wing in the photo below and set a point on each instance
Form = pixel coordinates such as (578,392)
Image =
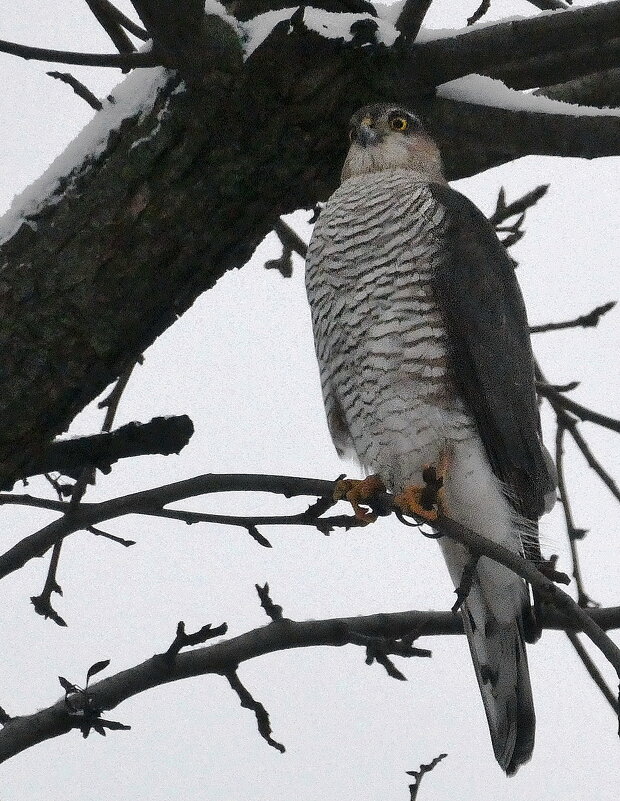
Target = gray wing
(491,355)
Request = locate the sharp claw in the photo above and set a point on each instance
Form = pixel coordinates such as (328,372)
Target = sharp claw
(356,491)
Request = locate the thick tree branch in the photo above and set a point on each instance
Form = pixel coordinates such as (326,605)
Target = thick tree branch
(600,89)
(526,47)
(115,15)
(162,435)
(103,12)
(411,17)
(188,40)
(485,135)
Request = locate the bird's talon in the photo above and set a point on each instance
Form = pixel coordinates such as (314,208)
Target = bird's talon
(356,492)
(427,500)
(414,501)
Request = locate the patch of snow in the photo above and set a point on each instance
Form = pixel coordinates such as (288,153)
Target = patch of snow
(492,92)
(215,8)
(331,25)
(259,28)
(390,12)
(135,94)
(334,25)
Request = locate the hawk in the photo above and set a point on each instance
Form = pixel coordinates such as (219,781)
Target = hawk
(425,360)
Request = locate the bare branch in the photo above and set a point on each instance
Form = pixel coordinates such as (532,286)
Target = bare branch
(589,320)
(22,732)
(418,774)
(274,611)
(593,671)
(161,435)
(574,533)
(79,89)
(485,134)
(123,61)
(248,702)
(188,40)
(183,640)
(43,603)
(90,514)
(559,400)
(503,211)
(110,404)
(550,5)
(411,17)
(106,535)
(592,461)
(482,9)
(115,15)
(111,25)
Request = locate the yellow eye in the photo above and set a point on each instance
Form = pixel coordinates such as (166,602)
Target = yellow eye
(399,124)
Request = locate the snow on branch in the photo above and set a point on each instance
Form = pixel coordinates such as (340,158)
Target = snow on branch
(134,96)
(486,91)
(496,49)
(485,135)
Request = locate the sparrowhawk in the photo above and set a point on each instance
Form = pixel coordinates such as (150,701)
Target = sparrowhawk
(425,362)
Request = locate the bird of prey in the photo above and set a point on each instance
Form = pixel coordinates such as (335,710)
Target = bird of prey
(427,376)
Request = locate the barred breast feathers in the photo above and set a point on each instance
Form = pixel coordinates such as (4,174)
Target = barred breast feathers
(380,341)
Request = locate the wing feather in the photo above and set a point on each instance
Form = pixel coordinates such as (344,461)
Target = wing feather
(491,355)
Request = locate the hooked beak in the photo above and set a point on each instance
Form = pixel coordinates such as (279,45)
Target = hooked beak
(366,134)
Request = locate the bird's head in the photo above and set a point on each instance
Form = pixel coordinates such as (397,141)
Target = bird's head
(389,137)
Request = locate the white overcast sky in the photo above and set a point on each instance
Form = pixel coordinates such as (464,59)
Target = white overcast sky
(241,364)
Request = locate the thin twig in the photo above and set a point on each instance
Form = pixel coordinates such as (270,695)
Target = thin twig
(106,535)
(43,603)
(589,320)
(184,640)
(111,402)
(248,702)
(503,211)
(418,774)
(583,413)
(574,533)
(273,611)
(592,461)
(593,671)
(79,88)
(290,238)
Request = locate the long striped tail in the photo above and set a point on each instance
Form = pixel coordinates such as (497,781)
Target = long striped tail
(498,653)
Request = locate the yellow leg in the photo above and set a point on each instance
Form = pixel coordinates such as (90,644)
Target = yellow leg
(427,500)
(356,492)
